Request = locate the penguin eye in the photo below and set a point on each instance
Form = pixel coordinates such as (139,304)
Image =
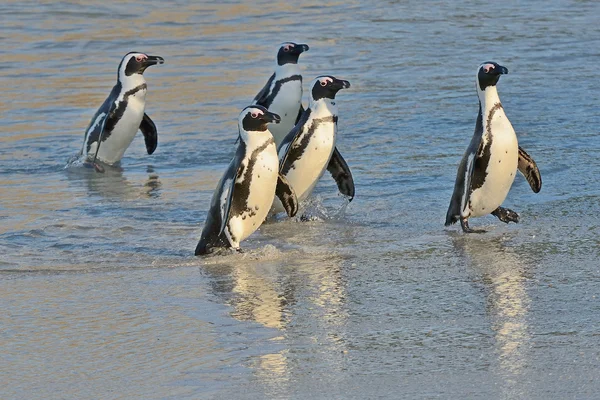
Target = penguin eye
(286,48)
(139,58)
(323,83)
(254,115)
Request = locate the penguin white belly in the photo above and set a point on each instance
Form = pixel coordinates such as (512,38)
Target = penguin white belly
(501,169)
(308,169)
(113,148)
(286,105)
(262,184)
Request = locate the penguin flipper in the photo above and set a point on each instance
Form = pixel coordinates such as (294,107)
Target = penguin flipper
(228,185)
(287,144)
(300,112)
(211,237)
(462,188)
(340,172)
(286,194)
(213,233)
(261,97)
(530,170)
(150,134)
(96,129)
(97,167)
(459,203)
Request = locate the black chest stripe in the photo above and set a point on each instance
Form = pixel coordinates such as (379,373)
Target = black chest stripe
(278,84)
(482,159)
(116,115)
(241,190)
(297,149)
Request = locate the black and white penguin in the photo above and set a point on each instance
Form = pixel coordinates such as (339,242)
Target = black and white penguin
(310,148)
(245,193)
(282,94)
(116,122)
(489,166)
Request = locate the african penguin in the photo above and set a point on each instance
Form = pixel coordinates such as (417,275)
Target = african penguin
(282,94)
(309,148)
(489,166)
(245,193)
(116,122)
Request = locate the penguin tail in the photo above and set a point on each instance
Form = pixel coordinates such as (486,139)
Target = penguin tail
(450,222)
(201,248)
(451,218)
(208,245)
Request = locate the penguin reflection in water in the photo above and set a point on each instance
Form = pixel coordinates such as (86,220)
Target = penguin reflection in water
(116,122)
(245,193)
(489,166)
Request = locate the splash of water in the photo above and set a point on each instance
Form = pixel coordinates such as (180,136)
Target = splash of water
(75,161)
(313,210)
(340,214)
(267,252)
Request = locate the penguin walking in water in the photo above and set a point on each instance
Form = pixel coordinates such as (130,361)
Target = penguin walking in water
(282,94)
(116,122)
(489,166)
(309,149)
(245,193)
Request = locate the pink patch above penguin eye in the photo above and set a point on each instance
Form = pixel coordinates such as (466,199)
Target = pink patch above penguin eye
(325,81)
(488,67)
(286,48)
(255,114)
(140,58)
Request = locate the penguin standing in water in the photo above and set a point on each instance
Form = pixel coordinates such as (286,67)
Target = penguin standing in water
(309,149)
(116,122)
(489,166)
(245,193)
(282,94)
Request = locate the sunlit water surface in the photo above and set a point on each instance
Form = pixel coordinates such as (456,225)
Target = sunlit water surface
(101,295)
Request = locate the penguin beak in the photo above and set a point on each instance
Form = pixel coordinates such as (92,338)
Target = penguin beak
(269,117)
(341,84)
(300,48)
(153,60)
(498,69)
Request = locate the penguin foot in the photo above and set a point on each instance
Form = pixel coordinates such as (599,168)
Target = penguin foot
(506,215)
(97,167)
(227,251)
(217,249)
(308,218)
(464,224)
(304,218)
(238,250)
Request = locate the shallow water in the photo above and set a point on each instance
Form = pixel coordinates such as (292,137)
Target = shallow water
(102,297)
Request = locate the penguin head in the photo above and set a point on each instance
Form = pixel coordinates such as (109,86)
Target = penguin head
(136,63)
(489,73)
(290,52)
(255,118)
(327,86)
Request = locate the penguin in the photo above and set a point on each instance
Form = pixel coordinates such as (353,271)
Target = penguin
(116,122)
(282,94)
(490,163)
(245,193)
(309,149)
